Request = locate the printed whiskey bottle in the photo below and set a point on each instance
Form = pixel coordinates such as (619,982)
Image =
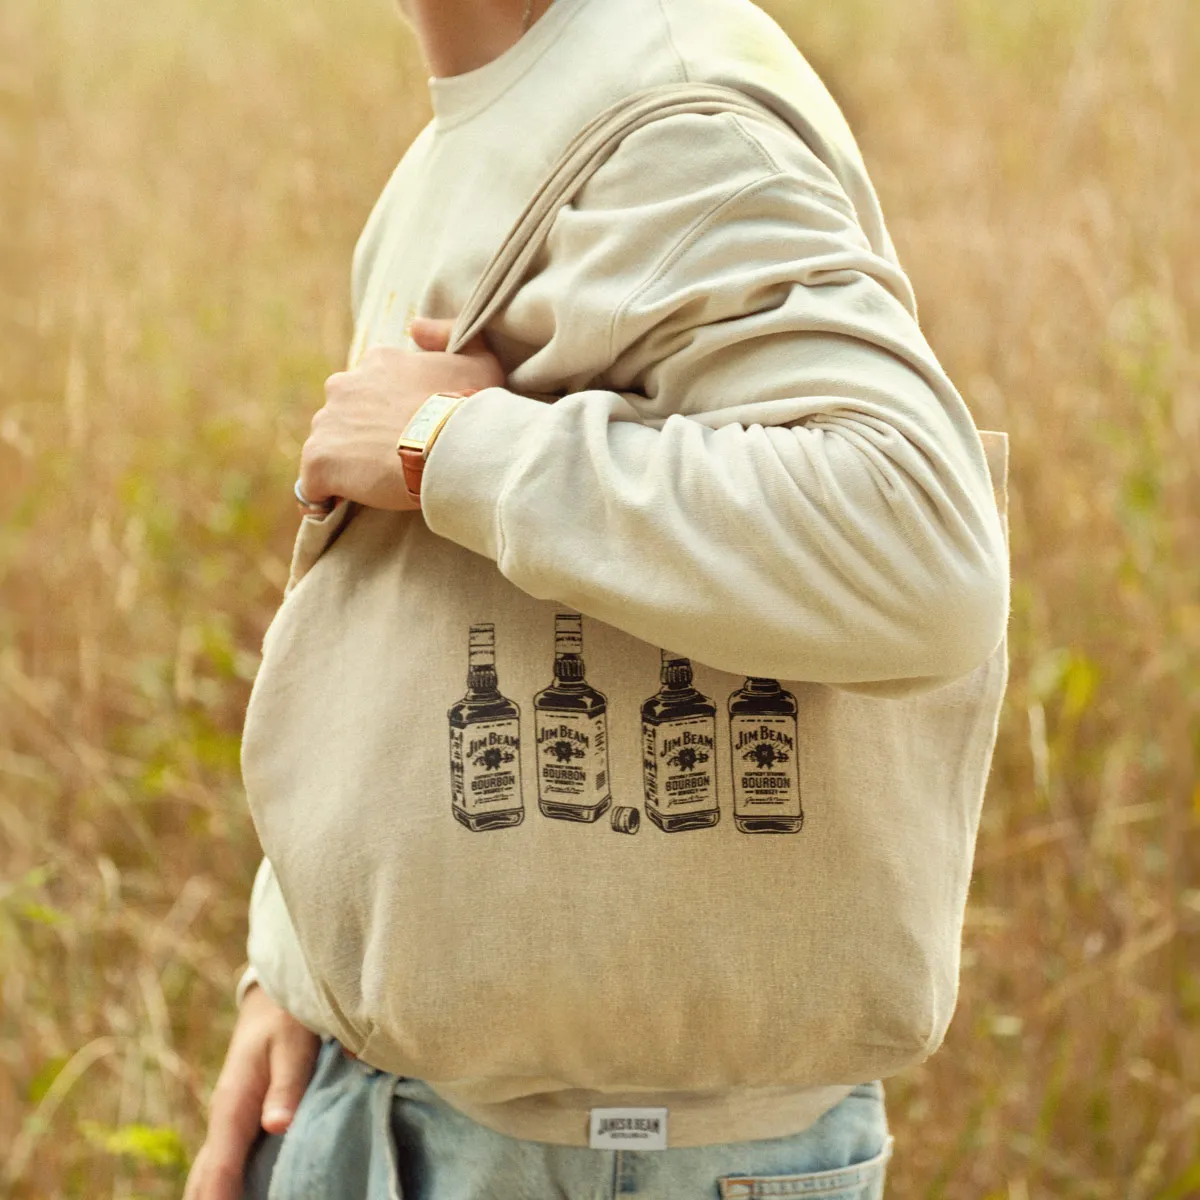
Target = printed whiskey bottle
(485,744)
(764,751)
(571,723)
(679,727)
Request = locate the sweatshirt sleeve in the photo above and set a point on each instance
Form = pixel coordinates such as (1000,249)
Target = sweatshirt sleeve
(276,962)
(777,478)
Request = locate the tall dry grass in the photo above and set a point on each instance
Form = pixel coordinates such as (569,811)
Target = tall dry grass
(180,188)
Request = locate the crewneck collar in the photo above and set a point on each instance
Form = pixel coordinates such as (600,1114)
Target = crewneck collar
(457,98)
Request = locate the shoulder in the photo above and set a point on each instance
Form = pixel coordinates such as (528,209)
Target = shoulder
(689,164)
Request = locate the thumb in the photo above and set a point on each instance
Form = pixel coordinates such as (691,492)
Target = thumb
(431,333)
(291,1064)
(434,333)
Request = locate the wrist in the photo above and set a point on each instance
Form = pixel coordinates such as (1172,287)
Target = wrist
(478,456)
(422,431)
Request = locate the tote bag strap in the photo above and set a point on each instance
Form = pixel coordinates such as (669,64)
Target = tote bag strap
(584,154)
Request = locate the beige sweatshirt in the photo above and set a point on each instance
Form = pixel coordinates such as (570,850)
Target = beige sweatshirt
(643,767)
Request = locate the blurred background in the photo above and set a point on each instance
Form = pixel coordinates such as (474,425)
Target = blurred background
(181,185)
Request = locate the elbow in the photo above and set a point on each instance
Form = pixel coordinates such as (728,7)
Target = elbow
(982,623)
(949,628)
(963,620)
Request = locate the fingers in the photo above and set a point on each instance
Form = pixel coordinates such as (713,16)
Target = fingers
(211,1179)
(269,1064)
(431,333)
(292,1056)
(434,333)
(314,472)
(233,1125)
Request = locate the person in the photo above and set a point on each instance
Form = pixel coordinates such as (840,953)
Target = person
(753,463)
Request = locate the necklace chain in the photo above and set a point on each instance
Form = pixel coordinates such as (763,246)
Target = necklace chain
(528,14)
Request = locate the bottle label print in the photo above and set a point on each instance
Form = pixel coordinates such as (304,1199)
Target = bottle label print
(485,744)
(571,727)
(764,751)
(679,728)
(485,765)
(683,772)
(572,754)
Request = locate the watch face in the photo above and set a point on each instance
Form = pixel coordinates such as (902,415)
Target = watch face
(425,419)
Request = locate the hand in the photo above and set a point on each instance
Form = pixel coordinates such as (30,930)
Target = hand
(351,451)
(268,1066)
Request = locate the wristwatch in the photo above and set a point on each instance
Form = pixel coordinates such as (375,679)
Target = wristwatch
(421,432)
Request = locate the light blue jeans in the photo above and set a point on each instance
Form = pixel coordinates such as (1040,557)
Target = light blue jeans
(361,1134)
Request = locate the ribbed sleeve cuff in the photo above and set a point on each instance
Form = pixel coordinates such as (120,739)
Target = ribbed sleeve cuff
(471,463)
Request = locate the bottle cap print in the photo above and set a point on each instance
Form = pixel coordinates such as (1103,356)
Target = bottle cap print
(626,820)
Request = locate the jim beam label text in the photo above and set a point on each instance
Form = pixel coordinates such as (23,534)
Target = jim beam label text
(485,759)
(628,1129)
(764,751)
(682,756)
(572,755)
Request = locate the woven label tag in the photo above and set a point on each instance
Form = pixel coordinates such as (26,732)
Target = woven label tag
(628,1129)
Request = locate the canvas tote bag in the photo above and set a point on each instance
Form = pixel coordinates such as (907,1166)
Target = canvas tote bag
(832,962)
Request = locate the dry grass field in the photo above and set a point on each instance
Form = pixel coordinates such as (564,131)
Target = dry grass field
(181,184)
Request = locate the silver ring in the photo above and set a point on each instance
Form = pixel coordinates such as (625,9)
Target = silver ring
(326,506)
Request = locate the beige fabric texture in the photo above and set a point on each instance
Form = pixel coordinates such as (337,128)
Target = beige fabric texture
(724,440)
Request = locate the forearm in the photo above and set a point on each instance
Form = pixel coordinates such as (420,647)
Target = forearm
(835,550)
(785,483)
